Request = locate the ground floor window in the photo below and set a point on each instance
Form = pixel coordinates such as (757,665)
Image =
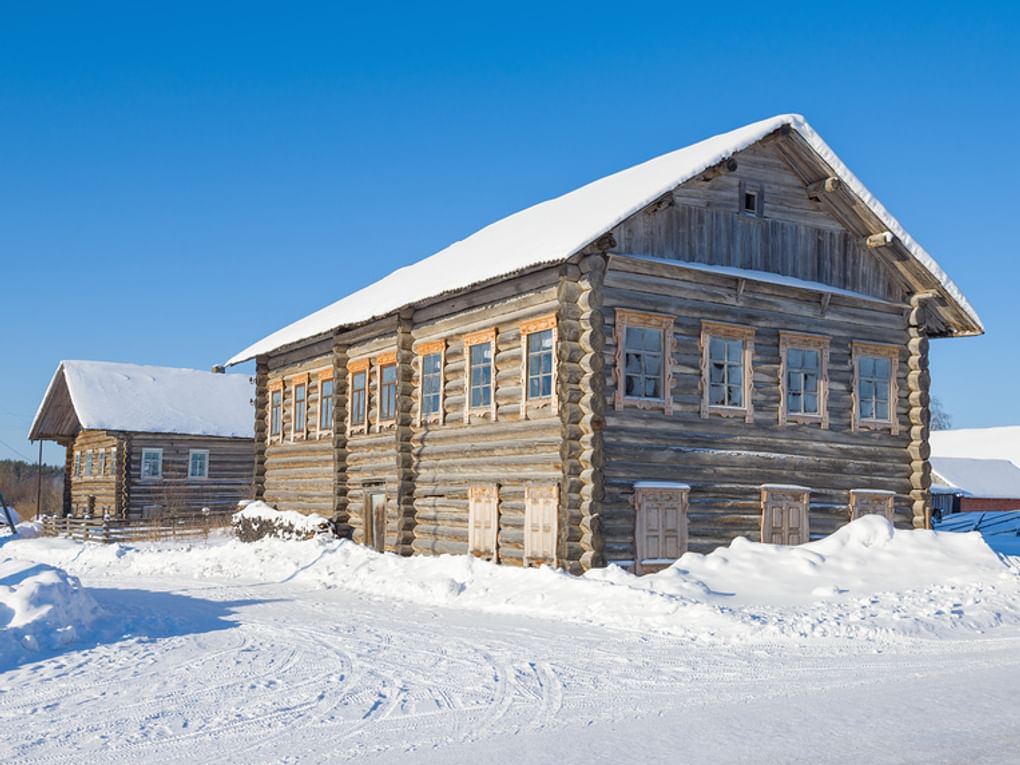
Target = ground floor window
(483,525)
(660,510)
(152,463)
(541,510)
(198,463)
(784,514)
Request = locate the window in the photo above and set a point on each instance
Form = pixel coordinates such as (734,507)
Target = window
(540,364)
(358,409)
(113,460)
(326,403)
(784,514)
(751,199)
(430,404)
(660,509)
(276,412)
(540,523)
(643,359)
(872,502)
(875,386)
(77,464)
(152,463)
(88,463)
(102,463)
(198,463)
(726,370)
(388,392)
(483,514)
(299,422)
(803,380)
(478,350)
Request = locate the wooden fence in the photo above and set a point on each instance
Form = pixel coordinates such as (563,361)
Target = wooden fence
(168,527)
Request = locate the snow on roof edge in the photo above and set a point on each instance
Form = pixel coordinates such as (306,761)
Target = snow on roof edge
(331,316)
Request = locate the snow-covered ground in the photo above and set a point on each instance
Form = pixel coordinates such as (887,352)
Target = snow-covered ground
(854,648)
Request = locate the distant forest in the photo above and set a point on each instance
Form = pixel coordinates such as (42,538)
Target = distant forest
(18,487)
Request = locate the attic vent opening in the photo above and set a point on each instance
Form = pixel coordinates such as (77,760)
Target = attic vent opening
(751,200)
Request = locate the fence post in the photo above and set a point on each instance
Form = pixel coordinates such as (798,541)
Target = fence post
(106,530)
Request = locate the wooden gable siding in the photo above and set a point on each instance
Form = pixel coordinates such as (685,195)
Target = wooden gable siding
(229,481)
(795,237)
(298,472)
(101,492)
(513,451)
(726,460)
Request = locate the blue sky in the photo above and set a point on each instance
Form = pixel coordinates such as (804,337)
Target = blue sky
(178,180)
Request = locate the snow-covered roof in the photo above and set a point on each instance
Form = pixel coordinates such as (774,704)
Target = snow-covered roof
(999,479)
(557,229)
(103,395)
(999,443)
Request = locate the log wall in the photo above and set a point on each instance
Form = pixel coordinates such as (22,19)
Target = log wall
(98,493)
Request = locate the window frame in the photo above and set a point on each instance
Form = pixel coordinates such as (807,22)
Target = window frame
(383,362)
(191,453)
(758,189)
(325,376)
(277,386)
(296,382)
(354,368)
(101,462)
(423,351)
(76,469)
(801,341)
(664,323)
(710,329)
(90,463)
(877,350)
(486,336)
(528,328)
(141,471)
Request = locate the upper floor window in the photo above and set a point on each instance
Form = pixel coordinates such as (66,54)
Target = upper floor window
(431,383)
(387,392)
(727,351)
(152,463)
(359,394)
(326,403)
(88,463)
(102,462)
(751,199)
(299,421)
(540,364)
(803,378)
(875,385)
(643,367)
(275,412)
(479,352)
(77,464)
(198,463)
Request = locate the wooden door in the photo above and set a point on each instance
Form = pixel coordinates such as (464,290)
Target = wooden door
(375,522)
(660,527)
(483,519)
(541,511)
(785,517)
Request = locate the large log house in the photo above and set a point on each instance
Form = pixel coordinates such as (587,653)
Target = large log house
(730,339)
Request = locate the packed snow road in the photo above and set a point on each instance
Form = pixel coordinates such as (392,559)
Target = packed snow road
(871,645)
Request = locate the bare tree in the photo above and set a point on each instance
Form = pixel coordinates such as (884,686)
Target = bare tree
(940,418)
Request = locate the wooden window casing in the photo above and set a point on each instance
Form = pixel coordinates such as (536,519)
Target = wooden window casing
(275,411)
(541,523)
(198,464)
(101,470)
(325,413)
(357,385)
(76,472)
(785,514)
(726,333)
(872,502)
(151,467)
(431,382)
(299,407)
(483,520)
(647,321)
(891,355)
(485,374)
(660,524)
(751,199)
(89,463)
(812,343)
(386,386)
(535,379)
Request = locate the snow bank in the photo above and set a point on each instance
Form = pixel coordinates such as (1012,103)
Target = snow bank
(865,581)
(41,609)
(256,520)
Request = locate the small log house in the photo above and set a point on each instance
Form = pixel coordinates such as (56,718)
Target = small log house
(731,339)
(142,441)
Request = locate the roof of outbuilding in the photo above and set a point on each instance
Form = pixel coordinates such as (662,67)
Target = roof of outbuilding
(104,395)
(557,229)
(992,478)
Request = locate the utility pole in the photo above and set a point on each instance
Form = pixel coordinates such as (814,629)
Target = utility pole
(38,485)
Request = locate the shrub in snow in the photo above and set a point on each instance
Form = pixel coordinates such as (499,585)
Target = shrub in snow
(256,520)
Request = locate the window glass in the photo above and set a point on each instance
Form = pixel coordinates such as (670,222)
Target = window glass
(874,382)
(388,392)
(326,405)
(77,463)
(431,383)
(481,375)
(642,364)
(540,364)
(274,413)
(802,365)
(198,463)
(358,398)
(299,408)
(88,463)
(152,463)
(102,462)
(726,372)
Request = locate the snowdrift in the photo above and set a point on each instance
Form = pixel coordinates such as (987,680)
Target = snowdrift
(867,580)
(42,608)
